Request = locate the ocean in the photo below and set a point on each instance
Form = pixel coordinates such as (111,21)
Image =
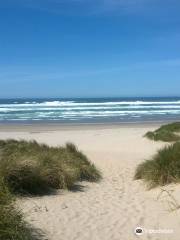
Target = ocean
(90,110)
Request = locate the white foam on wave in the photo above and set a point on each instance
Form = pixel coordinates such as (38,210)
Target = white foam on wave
(59,110)
(40,108)
(86,111)
(116,113)
(57,103)
(73,103)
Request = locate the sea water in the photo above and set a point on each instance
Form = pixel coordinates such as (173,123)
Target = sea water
(90,110)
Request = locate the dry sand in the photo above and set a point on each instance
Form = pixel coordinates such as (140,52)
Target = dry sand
(113,208)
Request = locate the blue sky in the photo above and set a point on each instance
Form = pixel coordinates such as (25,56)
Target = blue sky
(79,48)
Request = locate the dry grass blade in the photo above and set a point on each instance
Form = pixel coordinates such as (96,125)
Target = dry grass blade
(173,203)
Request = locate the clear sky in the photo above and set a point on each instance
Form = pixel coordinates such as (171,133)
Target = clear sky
(94,48)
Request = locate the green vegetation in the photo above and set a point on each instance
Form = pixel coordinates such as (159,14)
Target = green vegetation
(166,133)
(12,224)
(29,167)
(32,168)
(163,168)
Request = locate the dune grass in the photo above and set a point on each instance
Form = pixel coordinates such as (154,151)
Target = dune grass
(163,168)
(32,168)
(12,224)
(166,133)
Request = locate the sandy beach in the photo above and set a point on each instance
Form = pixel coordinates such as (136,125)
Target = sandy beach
(114,207)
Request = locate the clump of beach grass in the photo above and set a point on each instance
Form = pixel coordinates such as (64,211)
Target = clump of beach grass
(163,168)
(166,133)
(33,168)
(12,224)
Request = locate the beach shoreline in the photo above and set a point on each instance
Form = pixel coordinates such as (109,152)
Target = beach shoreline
(49,126)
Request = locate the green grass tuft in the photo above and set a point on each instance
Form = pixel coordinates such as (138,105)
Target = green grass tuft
(166,133)
(163,168)
(32,168)
(12,224)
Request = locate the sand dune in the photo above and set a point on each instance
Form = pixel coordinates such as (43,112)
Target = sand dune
(113,208)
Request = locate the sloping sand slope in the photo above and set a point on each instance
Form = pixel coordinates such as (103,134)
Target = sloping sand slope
(113,208)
